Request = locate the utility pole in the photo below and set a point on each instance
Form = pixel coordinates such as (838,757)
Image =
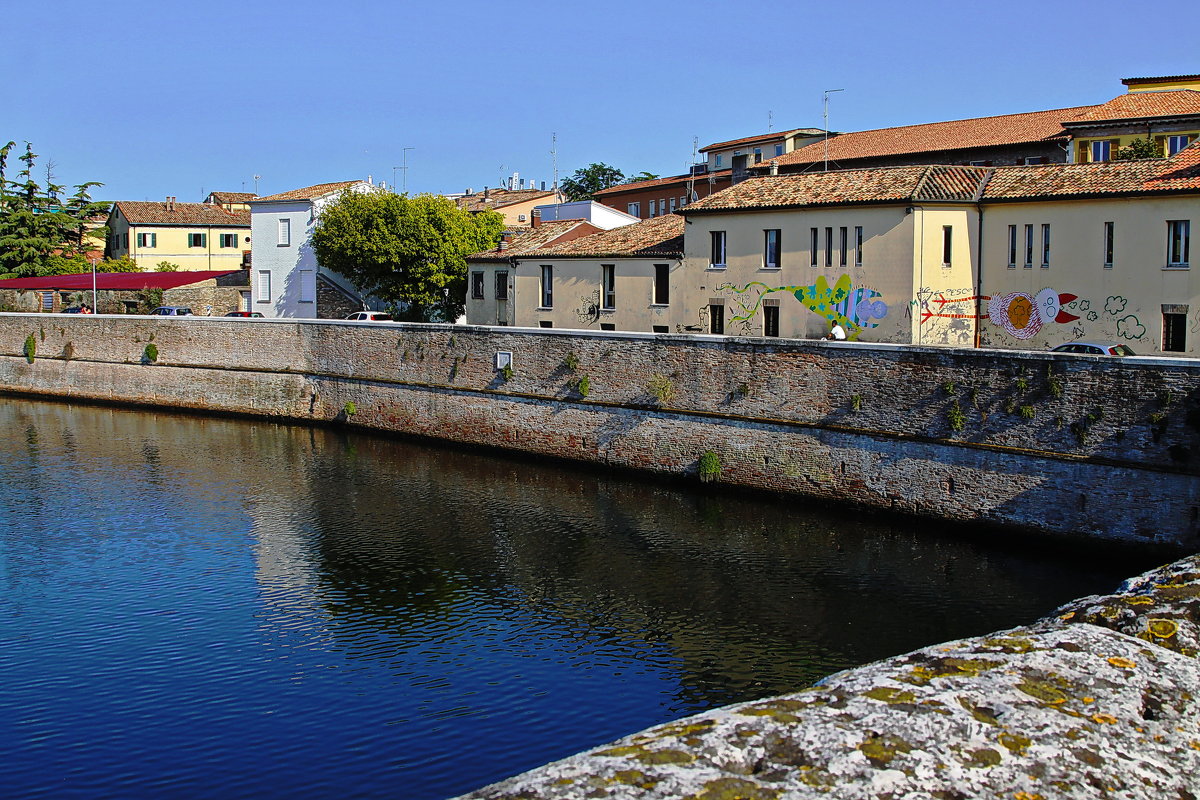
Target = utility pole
(826,124)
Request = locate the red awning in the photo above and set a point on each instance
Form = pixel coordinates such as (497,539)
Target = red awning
(115,281)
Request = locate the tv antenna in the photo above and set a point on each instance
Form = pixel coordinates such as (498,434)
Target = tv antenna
(826,124)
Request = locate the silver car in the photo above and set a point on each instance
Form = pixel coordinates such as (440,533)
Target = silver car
(1095,349)
(172,311)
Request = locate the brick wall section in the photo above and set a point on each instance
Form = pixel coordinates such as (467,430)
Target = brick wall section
(1064,444)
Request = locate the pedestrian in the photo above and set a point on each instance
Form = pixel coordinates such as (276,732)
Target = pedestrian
(837,333)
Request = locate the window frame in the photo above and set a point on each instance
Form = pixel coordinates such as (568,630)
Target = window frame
(501,284)
(148,241)
(814,245)
(716,319)
(1179,240)
(858,245)
(1045,245)
(1028,246)
(547,286)
(1012,246)
(947,245)
(772,238)
(197,240)
(262,286)
(634,209)
(718,244)
(661,289)
(477,284)
(771,321)
(232,238)
(308,286)
(1174,332)
(1109,244)
(284,232)
(828,247)
(608,287)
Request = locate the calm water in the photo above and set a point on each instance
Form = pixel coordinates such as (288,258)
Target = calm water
(200,607)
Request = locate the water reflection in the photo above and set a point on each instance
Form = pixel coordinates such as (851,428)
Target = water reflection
(244,609)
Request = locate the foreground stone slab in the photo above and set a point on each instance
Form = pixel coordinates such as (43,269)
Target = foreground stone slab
(1063,709)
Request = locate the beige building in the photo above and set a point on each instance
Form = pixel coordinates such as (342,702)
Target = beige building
(193,236)
(515,205)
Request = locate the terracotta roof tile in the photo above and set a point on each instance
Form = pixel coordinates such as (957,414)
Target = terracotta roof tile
(499,198)
(638,186)
(762,137)
(658,237)
(1151,176)
(193,214)
(535,238)
(959,134)
(232,197)
(884,184)
(1138,105)
(308,192)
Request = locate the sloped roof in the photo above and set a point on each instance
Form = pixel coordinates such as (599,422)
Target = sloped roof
(762,137)
(1141,105)
(638,186)
(879,185)
(1181,173)
(658,237)
(191,214)
(961,134)
(535,238)
(308,192)
(112,281)
(499,198)
(232,197)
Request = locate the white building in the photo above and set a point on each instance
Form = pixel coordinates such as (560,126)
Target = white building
(285,275)
(598,214)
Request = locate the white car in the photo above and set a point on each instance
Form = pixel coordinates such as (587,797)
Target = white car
(172,311)
(370,316)
(1095,349)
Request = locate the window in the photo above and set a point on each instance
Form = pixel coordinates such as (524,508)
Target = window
(1178,242)
(545,323)
(521,217)
(672,205)
(147,240)
(718,249)
(1045,245)
(858,244)
(477,285)
(264,286)
(285,232)
(1174,332)
(229,240)
(653,208)
(1028,246)
(502,285)
(608,282)
(1035,160)
(308,286)
(1108,244)
(125,240)
(828,247)
(683,201)
(758,155)
(608,326)
(771,248)
(813,244)
(662,284)
(634,209)
(1012,246)
(1177,143)
(716,318)
(547,286)
(778,149)
(947,244)
(843,241)
(770,320)
(197,240)
(719,161)
(1101,151)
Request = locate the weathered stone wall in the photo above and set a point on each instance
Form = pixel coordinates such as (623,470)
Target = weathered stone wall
(1064,444)
(1097,700)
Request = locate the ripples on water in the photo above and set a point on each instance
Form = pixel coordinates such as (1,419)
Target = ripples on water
(198,607)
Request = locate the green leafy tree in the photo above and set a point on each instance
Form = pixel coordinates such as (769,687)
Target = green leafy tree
(41,231)
(643,176)
(409,251)
(1139,149)
(166,266)
(122,264)
(584,183)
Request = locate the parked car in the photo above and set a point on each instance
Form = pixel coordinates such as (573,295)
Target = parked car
(172,311)
(1095,349)
(370,316)
(244,314)
(84,309)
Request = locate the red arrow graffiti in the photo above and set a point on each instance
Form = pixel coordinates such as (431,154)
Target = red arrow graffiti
(941,301)
(925,315)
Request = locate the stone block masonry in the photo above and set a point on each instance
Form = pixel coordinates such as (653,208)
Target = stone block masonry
(1066,445)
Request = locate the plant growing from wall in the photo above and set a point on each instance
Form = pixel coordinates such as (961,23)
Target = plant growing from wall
(856,403)
(710,467)
(350,409)
(1028,412)
(571,361)
(1054,384)
(949,388)
(661,389)
(955,418)
(150,354)
(507,372)
(30,348)
(583,386)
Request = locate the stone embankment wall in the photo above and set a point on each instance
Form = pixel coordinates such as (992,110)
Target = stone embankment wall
(1097,700)
(1067,445)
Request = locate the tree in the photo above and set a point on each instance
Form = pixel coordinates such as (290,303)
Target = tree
(591,179)
(642,176)
(1139,149)
(407,251)
(41,233)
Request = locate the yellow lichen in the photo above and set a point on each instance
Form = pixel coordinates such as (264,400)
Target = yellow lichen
(1139,600)
(1010,644)
(1028,796)
(880,750)
(633,777)
(1067,616)
(734,789)
(1043,691)
(1162,628)
(1014,742)
(889,694)
(1122,663)
(1104,719)
(985,757)
(1089,699)
(665,757)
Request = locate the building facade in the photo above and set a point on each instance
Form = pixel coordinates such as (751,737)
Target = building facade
(191,236)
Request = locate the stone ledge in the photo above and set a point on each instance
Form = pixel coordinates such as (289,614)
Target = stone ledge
(1065,708)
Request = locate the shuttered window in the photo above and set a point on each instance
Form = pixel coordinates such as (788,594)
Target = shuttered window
(308,286)
(264,286)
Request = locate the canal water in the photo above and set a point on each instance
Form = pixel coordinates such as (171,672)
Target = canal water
(198,607)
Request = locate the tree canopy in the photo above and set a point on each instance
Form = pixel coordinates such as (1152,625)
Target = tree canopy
(41,231)
(407,251)
(1139,149)
(584,183)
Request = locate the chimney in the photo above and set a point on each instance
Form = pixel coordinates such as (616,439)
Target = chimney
(535,217)
(774,167)
(485,193)
(170,202)
(503,241)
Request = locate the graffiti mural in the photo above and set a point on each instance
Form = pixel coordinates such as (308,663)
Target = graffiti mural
(854,308)
(1019,314)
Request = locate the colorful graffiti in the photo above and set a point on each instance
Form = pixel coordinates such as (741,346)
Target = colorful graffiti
(1019,314)
(854,308)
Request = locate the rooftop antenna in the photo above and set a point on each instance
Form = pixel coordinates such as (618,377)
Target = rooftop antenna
(691,184)
(256,177)
(770,121)
(826,116)
(554,161)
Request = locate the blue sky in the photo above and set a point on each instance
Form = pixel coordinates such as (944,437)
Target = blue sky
(160,98)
